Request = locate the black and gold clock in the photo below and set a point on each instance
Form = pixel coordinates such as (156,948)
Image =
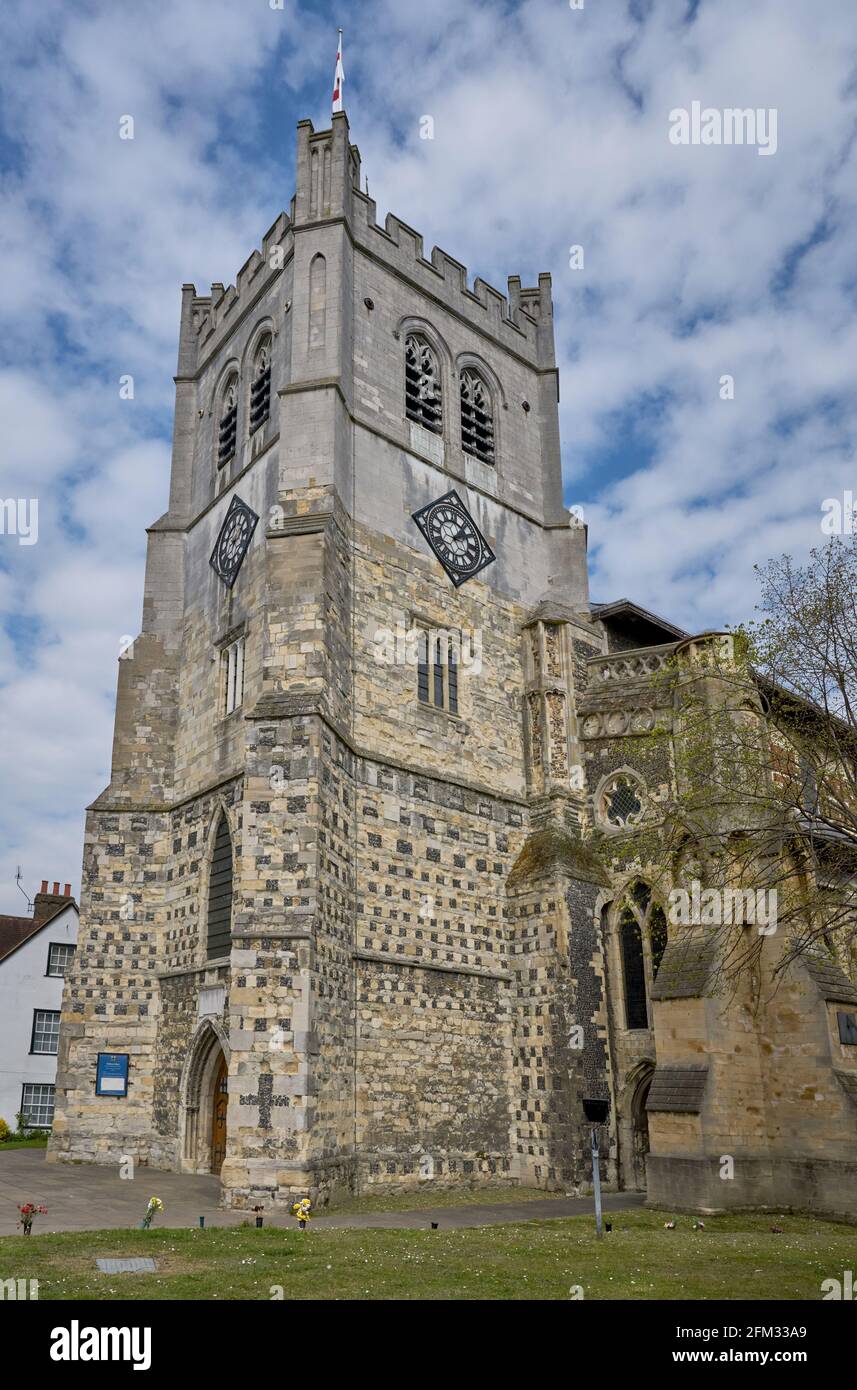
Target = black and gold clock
(454,537)
(231,545)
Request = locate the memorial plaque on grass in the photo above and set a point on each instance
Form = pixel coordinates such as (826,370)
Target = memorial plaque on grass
(141,1266)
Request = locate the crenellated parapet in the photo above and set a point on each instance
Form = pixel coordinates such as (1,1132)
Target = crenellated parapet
(516,319)
(213,316)
(328,189)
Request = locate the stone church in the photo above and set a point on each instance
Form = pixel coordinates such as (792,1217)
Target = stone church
(341,929)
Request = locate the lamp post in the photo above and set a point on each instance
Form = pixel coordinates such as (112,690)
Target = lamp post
(596,1112)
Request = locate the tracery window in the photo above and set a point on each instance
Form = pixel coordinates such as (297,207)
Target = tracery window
(621,801)
(642,931)
(422,384)
(477,416)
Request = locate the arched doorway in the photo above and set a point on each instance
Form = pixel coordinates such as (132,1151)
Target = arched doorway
(634,1126)
(204,1101)
(640,1129)
(219,1103)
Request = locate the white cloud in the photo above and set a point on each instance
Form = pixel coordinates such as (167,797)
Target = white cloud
(550,129)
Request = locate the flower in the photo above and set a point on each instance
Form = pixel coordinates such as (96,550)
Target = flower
(28,1210)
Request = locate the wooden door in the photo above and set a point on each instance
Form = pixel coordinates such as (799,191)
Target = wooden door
(218,1118)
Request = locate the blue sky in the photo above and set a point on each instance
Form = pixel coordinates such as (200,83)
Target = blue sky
(551,130)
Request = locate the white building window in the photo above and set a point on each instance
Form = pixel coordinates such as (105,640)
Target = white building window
(232,662)
(37,1105)
(59,958)
(46,1031)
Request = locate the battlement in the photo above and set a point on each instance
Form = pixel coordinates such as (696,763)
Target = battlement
(213,315)
(328,189)
(515,318)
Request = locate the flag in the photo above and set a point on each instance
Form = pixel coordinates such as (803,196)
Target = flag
(338,78)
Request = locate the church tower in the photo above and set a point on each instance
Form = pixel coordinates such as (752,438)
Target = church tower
(325,907)
(342,922)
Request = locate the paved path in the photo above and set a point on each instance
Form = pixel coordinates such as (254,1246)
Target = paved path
(88,1197)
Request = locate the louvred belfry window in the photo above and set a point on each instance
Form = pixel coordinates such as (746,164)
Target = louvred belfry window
(260,391)
(228,423)
(477,417)
(422,385)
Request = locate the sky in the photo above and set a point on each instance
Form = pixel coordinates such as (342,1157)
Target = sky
(699,265)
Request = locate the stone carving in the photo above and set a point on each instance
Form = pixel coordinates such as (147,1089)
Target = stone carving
(617,723)
(628,666)
(557,730)
(535,728)
(642,721)
(553,651)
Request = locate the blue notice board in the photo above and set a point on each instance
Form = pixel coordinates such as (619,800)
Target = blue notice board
(111,1078)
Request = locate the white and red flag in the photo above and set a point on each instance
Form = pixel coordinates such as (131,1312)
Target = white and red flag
(338,78)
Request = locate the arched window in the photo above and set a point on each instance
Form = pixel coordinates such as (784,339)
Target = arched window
(657,938)
(260,388)
(633,970)
(620,803)
(642,929)
(228,421)
(477,416)
(422,384)
(219,933)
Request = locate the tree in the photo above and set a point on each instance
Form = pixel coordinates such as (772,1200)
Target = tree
(752,832)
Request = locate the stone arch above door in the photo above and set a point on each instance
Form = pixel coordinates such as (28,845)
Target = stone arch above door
(634,1125)
(208,1046)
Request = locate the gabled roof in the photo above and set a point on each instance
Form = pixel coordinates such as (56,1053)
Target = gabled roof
(832,982)
(14,931)
(632,612)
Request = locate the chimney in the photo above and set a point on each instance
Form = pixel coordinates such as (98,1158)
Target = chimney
(45,903)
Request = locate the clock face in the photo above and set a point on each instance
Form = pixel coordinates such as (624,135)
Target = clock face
(454,537)
(231,545)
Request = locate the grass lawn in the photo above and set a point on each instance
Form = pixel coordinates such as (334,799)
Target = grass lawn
(38,1141)
(432,1196)
(734,1257)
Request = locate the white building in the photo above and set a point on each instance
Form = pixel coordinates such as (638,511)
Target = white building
(34,956)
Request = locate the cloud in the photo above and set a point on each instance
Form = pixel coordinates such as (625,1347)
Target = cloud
(551,129)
